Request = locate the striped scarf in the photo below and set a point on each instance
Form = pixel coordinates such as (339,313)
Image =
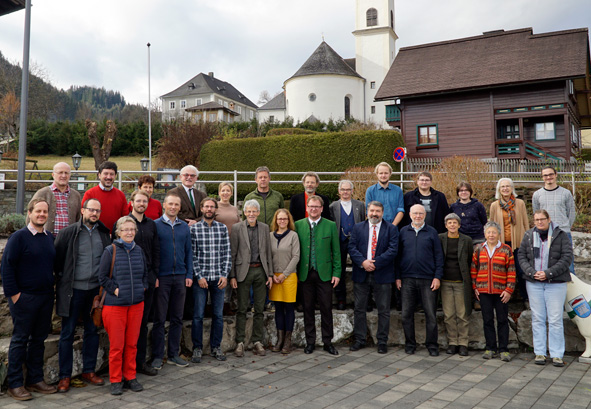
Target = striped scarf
(509,207)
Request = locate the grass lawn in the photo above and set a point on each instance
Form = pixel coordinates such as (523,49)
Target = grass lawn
(47,162)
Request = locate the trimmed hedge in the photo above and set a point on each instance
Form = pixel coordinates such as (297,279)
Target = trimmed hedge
(290,131)
(326,152)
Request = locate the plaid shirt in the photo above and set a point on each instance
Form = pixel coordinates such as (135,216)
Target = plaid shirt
(211,250)
(61,208)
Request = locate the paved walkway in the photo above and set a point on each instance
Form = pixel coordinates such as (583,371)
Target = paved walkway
(362,379)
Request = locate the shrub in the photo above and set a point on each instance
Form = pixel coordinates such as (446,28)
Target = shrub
(323,152)
(290,131)
(9,223)
(181,142)
(362,178)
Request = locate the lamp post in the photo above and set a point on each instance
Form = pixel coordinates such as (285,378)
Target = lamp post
(76,159)
(1,153)
(145,162)
(149,115)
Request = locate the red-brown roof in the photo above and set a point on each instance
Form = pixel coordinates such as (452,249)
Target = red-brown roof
(492,59)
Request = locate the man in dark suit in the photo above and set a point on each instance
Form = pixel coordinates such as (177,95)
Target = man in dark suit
(373,248)
(319,271)
(190,196)
(345,212)
(252,265)
(298,203)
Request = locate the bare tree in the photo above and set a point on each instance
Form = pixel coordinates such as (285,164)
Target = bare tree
(264,97)
(9,116)
(101,153)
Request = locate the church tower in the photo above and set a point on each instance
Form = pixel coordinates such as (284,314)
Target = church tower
(375,48)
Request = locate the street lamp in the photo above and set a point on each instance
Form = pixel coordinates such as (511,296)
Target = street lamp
(1,153)
(145,162)
(76,159)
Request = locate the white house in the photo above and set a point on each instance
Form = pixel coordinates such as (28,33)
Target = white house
(327,86)
(274,110)
(207,98)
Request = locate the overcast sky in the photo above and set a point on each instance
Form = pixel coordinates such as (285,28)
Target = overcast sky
(253,44)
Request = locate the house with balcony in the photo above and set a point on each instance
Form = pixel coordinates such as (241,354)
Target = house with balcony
(502,94)
(207,98)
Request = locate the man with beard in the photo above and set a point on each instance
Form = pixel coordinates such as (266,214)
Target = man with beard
(373,249)
(297,204)
(211,265)
(79,248)
(147,238)
(27,278)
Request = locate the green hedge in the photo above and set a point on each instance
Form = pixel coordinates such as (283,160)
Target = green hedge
(290,131)
(326,152)
(586,154)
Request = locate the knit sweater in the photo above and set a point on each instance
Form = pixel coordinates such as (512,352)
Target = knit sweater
(113,204)
(493,275)
(27,263)
(473,218)
(559,204)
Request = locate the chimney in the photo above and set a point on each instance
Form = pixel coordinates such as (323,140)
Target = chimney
(211,74)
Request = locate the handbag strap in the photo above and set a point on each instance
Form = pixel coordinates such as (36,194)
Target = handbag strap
(102,294)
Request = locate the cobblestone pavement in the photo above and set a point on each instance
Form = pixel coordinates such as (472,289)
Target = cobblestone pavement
(362,379)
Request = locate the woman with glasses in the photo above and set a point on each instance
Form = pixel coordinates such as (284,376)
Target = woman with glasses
(510,213)
(285,247)
(124,285)
(472,213)
(545,257)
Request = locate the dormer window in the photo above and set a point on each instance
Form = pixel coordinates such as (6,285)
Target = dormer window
(372,17)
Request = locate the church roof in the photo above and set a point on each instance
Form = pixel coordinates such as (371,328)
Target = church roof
(278,102)
(325,60)
(206,84)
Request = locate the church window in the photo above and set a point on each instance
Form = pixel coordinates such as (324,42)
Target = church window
(347,107)
(312,97)
(372,85)
(372,17)
(373,109)
(392,19)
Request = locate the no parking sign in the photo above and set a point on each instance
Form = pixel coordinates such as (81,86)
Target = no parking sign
(399,154)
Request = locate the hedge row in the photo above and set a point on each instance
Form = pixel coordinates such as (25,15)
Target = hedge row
(326,152)
(290,131)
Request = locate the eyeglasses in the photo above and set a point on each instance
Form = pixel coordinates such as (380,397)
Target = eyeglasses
(188,175)
(314,207)
(127,230)
(548,175)
(540,220)
(346,190)
(90,210)
(463,190)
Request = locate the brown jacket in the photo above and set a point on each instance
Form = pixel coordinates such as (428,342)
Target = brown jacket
(74,206)
(187,211)
(521,224)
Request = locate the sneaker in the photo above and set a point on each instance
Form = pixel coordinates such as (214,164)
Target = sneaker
(218,354)
(133,385)
(557,362)
(177,360)
(505,356)
(540,360)
(117,388)
(196,356)
(270,307)
(259,349)
(157,363)
(488,354)
(239,351)
(147,370)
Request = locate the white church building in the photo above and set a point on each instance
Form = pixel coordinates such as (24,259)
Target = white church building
(329,87)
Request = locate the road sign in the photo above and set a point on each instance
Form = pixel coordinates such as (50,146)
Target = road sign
(399,154)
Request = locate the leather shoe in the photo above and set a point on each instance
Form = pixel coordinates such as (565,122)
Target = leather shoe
(20,393)
(463,350)
(92,378)
(147,370)
(64,385)
(382,348)
(433,352)
(452,349)
(341,306)
(309,348)
(357,346)
(330,349)
(409,350)
(41,387)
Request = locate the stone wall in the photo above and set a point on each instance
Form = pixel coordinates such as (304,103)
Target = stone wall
(8,200)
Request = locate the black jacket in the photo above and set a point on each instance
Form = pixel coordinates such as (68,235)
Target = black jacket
(297,206)
(559,258)
(66,248)
(439,208)
(147,238)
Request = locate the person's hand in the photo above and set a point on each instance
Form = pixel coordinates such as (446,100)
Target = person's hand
(335,281)
(202,283)
(116,292)
(505,297)
(368,265)
(477,294)
(270,282)
(233,283)
(191,222)
(188,282)
(435,284)
(398,284)
(15,298)
(540,275)
(222,283)
(157,284)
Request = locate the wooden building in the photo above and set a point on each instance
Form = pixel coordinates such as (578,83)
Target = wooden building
(504,94)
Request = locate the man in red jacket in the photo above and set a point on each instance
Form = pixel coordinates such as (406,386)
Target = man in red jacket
(113,201)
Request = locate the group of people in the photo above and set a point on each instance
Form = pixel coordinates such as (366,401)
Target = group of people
(146,260)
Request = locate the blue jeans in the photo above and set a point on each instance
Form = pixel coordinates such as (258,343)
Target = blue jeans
(217,320)
(81,303)
(546,301)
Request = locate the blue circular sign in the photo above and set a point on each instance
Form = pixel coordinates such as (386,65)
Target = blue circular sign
(399,154)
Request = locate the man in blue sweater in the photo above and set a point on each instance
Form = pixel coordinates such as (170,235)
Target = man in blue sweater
(175,274)
(27,278)
(419,271)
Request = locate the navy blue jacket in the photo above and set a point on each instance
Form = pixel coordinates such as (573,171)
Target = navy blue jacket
(130,275)
(176,253)
(473,218)
(385,256)
(420,255)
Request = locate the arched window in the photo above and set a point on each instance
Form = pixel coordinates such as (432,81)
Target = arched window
(372,17)
(347,107)
(392,19)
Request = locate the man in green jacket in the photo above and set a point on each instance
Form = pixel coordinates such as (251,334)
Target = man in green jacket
(319,271)
(269,200)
